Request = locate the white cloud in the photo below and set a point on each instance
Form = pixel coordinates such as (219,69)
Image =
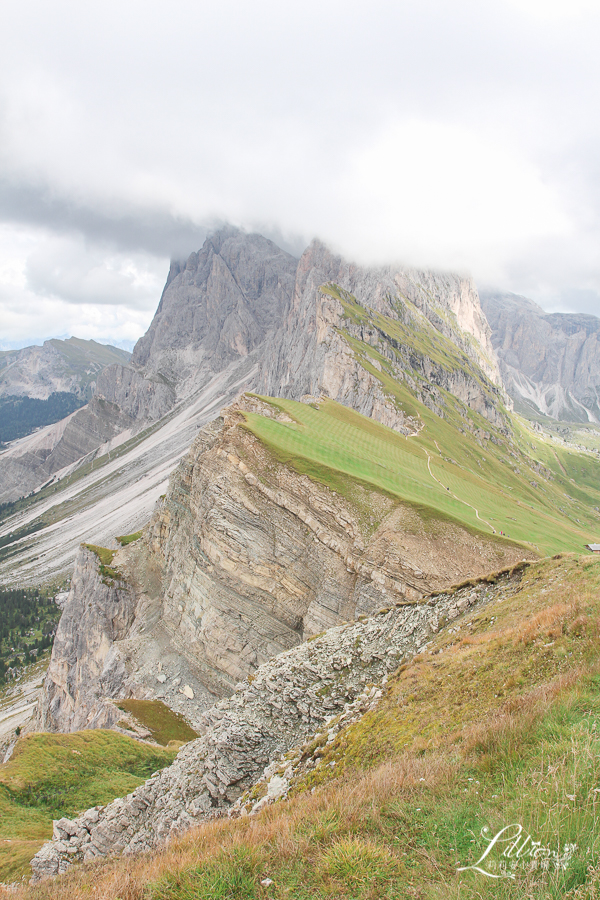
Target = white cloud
(443,195)
(55,286)
(554,10)
(68,268)
(456,134)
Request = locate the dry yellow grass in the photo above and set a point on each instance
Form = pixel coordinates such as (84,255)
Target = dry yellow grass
(476,708)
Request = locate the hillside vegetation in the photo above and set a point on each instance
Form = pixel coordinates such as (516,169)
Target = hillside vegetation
(22,415)
(54,775)
(497,724)
(445,472)
(28,619)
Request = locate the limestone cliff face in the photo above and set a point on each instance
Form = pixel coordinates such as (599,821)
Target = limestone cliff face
(143,397)
(86,667)
(550,363)
(258,558)
(311,353)
(245,559)
(218,306)
(329,680)
(244,305)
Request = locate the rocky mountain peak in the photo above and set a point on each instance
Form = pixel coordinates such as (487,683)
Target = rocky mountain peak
(221,302)
(550,362)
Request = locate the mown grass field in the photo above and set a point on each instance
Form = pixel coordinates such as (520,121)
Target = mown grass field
(444,472)
(523,483)
(497,725)
(55,775)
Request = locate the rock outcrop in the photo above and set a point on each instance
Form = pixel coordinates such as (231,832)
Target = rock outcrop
(243,302)
(218,306)
(287,699)
(313,352)
(246,558)
(550,362)
(86,667)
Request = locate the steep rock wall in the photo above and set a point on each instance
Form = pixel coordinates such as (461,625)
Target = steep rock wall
(216,309)
(289,698)
(246,558)
(550,362)
(310,355)
(218,306)
(86,666)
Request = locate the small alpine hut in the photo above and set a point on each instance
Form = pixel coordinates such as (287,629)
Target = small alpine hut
(593,548)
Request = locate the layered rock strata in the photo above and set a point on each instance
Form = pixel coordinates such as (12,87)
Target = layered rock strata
(85,667)
(246,558)
(288,699)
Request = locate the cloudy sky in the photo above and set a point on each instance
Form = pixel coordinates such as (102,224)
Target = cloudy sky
(451,134)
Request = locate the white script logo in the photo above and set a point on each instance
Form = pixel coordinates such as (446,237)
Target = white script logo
(515,848)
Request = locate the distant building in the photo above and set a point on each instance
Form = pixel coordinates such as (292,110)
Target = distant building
(593,548)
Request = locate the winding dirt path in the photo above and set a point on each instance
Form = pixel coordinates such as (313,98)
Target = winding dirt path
(476,511)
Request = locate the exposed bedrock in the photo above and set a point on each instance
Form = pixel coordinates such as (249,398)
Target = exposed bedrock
(550,362)
(246,558)
(86,667)
(289,698)
(309,354)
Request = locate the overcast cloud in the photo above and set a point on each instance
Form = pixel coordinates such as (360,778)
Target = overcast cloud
(460,135)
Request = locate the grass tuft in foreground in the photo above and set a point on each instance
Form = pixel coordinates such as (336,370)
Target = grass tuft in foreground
(497,725)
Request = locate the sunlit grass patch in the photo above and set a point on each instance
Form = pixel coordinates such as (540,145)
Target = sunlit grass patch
(442,473)
(164,724)
(232,875)
(357,864)
(106,557)
(55,775)
(125,539)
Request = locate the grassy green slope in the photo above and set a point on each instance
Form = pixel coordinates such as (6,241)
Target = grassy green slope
(497,724)
(333,441)
(495,478)
(55,775)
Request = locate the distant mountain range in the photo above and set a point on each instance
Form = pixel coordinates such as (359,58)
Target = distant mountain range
(550,362)
(41,385)
(69,366)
